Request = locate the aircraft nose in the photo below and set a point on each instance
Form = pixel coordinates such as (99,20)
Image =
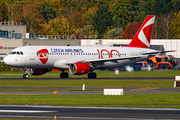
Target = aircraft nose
(7,61)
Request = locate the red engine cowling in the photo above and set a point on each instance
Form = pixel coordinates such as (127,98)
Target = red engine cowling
(37,71)
(79,68)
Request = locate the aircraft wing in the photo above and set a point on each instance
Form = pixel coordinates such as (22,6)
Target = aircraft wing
(110,59)
(157,52)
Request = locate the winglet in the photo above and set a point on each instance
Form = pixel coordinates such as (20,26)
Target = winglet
(143,36)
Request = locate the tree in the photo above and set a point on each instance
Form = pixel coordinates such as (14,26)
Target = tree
(87,30)
(144,8)
(152,7)
(130,30)
(123,11)
(166,23)
(61,25)
(3,12)
(31,16)
(102,19)
(156,30)
(46,29)
(89,14)
(176,25)
(176,5)
(76,19)
(113,33)
(47,11)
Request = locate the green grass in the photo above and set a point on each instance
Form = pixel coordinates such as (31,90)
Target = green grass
(88,83)
(137,100)
(104,74)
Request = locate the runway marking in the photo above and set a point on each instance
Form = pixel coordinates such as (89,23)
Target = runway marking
(24,111)
(79,118)
(143,89)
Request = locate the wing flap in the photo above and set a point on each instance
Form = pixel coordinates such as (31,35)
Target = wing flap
(157,52)
(109,59)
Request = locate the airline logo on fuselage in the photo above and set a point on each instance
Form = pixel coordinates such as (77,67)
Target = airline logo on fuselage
(57,50)
(43,55)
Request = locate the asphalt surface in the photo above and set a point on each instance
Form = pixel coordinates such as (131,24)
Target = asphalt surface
(99,92)
(86,113)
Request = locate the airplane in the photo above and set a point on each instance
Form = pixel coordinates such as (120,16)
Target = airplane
(38,60)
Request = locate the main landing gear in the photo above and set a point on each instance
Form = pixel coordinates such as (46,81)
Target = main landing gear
(64,75)
(92,75)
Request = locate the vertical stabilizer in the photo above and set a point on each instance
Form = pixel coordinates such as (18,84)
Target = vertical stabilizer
(143,36)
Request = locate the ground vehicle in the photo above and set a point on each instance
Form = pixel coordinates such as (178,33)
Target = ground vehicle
(142,65)
(162,62)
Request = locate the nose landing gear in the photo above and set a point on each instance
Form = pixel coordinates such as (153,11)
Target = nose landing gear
(25,76)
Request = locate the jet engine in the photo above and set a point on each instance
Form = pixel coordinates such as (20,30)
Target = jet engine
(79,68)
(37,71)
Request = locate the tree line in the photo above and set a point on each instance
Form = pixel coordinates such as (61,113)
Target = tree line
(108,19)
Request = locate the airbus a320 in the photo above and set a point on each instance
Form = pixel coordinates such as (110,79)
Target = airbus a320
(38,60)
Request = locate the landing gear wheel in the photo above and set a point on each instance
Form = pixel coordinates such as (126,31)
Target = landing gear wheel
(92,75)
(25,76)
(64,75)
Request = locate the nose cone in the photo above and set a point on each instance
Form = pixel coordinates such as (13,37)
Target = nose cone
(13,60)
(7,60)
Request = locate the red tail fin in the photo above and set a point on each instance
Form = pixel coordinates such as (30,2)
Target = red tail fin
(143,36)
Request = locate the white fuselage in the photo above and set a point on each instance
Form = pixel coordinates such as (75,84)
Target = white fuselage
(58,56)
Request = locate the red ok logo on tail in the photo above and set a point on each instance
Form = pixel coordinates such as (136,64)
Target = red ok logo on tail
(143,36)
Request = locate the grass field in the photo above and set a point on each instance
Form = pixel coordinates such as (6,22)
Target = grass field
(133,100)
(101,74)
(88,83)
(138,100)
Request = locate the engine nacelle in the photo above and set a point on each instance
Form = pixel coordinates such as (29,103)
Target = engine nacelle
(37,71)
(79,68)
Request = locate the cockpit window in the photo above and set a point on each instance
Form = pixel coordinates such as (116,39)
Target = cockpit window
(16,53)
(12,53)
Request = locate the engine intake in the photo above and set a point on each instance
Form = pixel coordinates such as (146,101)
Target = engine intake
(79,68)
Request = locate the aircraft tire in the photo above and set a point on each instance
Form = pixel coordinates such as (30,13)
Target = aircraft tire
(92,75)
(64,75)
(25,76)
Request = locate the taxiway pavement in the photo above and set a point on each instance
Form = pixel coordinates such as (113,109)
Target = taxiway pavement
(86,113)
